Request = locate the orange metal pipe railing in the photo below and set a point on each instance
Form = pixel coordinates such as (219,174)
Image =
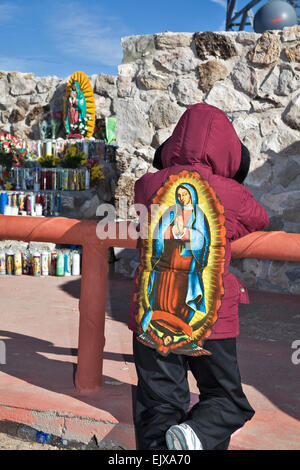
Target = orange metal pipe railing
(262,245)
(277,246)
(92,302)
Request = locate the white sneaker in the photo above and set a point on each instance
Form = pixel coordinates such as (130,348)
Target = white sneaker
(182,437)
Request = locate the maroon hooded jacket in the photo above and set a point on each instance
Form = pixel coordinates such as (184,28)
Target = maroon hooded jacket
(204,140)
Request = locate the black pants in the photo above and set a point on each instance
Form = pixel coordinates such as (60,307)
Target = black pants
(163,396)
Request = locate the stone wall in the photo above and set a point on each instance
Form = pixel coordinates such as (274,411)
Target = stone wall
(24,99)
(255,79)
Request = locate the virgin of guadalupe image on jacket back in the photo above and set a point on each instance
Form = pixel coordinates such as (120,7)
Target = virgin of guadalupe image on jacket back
(180,281)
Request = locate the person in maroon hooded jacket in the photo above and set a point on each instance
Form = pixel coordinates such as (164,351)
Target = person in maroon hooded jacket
(184,308)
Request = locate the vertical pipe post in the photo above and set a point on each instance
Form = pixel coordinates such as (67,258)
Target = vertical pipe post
(92,307)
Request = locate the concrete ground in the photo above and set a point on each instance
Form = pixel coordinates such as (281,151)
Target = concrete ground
(38,340)
(8,442)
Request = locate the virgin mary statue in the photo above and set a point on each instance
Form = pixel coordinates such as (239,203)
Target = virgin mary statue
(175,291)
(75,111)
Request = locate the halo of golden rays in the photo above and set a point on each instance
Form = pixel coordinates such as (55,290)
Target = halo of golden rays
(212,274)
(87,90)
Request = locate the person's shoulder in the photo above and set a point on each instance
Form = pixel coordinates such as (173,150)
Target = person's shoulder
(140,181)
(226,184)
(230,193)
(144,181)
(147,177)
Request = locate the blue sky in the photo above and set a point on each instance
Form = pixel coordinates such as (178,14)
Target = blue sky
(58,37)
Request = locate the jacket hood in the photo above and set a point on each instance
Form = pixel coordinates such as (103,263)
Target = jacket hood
(204,135)
(243,170)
